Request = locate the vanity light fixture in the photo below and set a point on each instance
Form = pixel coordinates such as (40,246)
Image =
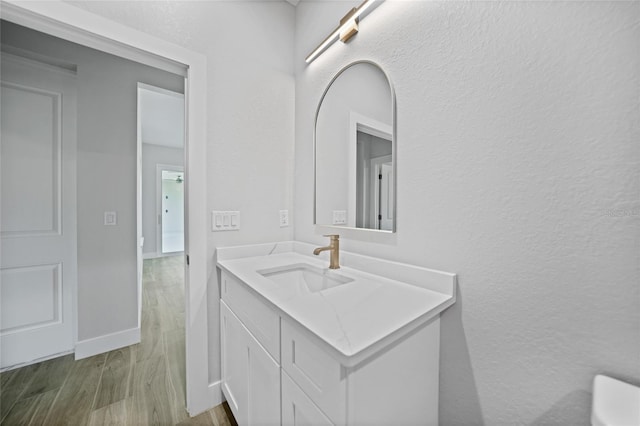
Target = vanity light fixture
(348,28)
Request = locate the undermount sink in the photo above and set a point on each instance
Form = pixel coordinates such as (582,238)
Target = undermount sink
(306,276)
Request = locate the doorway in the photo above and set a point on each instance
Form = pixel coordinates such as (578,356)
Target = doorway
(161,154)
(171,212)
(64,20)
(374,180)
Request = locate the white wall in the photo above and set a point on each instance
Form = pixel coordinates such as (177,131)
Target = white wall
(518,169)
(249,49)
(107,105)
(153,155)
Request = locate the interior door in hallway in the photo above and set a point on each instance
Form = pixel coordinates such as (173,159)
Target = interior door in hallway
(38,265)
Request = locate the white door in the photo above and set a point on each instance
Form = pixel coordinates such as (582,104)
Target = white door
(38,266)
(382,193)
(385,181)
(172,201)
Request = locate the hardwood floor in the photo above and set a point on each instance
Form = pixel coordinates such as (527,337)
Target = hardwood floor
(143,384)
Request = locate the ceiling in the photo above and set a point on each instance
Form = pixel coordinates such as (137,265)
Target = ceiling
(162,117)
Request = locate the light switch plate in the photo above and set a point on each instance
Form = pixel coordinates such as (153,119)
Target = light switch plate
(225,220)
(284,218)
(110,218)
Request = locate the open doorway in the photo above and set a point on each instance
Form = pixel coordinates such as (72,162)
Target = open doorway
(374,181)
(90,30)
(171,209)
(161,163)
(161,228)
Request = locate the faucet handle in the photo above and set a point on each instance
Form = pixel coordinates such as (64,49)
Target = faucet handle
(332,236)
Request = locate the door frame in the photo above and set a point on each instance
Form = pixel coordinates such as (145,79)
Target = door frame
(159,170)
(79,26)
(360,123)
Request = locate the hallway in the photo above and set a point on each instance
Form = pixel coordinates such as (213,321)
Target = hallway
(142,384)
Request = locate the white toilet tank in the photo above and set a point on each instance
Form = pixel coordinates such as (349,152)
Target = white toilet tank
(615,403)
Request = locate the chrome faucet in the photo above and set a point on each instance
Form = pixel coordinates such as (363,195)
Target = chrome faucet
(334,248)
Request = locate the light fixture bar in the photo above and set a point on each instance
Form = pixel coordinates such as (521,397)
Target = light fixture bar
(347,28)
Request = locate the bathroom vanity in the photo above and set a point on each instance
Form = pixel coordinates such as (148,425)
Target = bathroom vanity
(302,344)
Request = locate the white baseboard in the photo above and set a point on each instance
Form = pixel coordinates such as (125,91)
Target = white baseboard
(215,398)
(106,343)
(215,393)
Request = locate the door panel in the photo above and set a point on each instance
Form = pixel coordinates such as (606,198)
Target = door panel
(30,297)
(386,197)
(37,215)
(31,153)
(297,408)
(235,356)
(250,377)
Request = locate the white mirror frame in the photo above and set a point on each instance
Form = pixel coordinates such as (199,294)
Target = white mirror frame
(356,121)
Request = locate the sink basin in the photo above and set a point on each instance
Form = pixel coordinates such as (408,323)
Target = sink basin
(305,276)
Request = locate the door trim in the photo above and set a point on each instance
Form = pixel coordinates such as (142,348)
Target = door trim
(74,24)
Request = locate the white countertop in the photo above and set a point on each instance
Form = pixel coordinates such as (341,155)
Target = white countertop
(355,319)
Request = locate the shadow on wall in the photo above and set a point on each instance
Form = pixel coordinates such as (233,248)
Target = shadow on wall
(459,401)
(571,406)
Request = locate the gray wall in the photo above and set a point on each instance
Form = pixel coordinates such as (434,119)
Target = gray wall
(152,155)
(107,105)
(518,169)
(250,107)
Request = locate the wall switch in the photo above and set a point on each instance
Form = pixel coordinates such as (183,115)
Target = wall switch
(284,218)
(339,217)
(225,220)
(110,218)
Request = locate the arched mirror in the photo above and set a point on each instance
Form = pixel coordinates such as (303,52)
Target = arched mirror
(355,150)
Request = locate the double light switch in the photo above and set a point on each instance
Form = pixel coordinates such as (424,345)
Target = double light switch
(225,220)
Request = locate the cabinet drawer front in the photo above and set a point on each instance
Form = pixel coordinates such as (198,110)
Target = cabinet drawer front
(297,408)
(260,318)
(317,373)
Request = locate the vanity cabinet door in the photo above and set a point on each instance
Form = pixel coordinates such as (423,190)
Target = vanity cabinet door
(315,371)
(250,377)
(257,316)
(297,408)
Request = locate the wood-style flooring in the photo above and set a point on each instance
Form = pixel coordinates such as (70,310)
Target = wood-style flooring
(143,384)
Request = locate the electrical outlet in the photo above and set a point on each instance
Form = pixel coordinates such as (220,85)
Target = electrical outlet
(339,217)
(284,218)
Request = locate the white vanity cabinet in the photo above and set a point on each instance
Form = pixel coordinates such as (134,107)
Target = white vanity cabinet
(305,345)
(275,371)
(396,386)
(250,375)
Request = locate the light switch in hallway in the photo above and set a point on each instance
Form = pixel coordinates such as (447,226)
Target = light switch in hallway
(110,218)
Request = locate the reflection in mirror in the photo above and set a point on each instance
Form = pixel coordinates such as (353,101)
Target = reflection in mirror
(355,148)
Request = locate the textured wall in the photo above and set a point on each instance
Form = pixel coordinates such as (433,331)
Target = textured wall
(249,50)
(518,169)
